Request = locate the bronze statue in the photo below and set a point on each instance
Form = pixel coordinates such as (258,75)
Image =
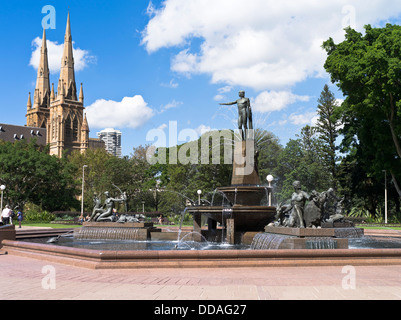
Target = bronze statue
(106,214)
(322,207)
(296,218)
(298,201)
(244,113)
(98,208)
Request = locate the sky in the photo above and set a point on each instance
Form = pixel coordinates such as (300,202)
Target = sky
(156,67)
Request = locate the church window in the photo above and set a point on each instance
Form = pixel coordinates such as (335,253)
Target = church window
(68,129)
(75,130)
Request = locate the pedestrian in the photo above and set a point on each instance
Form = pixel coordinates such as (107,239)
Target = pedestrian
(20,217)
(5,215)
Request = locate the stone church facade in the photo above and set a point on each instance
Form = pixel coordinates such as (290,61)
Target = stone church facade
(60,112)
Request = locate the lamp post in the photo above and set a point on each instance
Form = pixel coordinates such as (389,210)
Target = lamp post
(199,199)
(270,179)
(2,188)
(83,185)
(143,206)
(385,196)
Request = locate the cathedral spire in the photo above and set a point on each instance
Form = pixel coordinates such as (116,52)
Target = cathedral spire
(29,103)
(43,79)
(67,74)
(81,94)
(52,95)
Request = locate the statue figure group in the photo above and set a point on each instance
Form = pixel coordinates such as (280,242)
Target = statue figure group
(104,213)
(245,121)
(322,207)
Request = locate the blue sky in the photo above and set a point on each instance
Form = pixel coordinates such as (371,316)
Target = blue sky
(146,63)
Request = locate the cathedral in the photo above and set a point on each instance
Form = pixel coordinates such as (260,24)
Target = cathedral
(60,112)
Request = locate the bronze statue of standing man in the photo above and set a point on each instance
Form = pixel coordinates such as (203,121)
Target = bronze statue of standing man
(244,113)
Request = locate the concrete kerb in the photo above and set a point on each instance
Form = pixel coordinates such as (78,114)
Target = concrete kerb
(97,259)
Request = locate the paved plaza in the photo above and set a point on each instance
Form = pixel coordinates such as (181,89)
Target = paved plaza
(31,279)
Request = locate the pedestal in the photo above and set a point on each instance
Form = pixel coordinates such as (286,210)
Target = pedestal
(230,231)
(197,236)
(244,172)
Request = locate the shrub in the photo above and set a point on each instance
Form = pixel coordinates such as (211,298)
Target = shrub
(38,216)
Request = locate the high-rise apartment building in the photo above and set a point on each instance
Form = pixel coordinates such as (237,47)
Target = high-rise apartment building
(112,140)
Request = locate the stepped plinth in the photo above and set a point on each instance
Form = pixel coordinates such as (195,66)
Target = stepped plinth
(115,231)
(305,238)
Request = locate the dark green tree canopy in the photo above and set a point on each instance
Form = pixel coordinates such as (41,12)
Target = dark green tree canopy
(367,68)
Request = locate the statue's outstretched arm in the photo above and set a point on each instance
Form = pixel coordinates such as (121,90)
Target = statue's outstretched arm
(228,104)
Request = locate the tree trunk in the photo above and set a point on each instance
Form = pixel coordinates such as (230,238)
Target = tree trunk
(397,187)
(393,133)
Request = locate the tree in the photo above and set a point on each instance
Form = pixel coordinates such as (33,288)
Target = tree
(97,179)
(301,160)
(269,148)
(32,175)
(367,68)
(327,126)
(179,182)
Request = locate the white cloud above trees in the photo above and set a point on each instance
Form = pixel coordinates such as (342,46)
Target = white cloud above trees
(269,46)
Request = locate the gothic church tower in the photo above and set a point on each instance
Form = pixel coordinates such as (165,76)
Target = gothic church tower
(38,114)
(61,112)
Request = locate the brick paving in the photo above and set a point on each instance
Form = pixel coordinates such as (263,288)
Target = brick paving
(29,279)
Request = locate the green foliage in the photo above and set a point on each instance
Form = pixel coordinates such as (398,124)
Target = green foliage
(180,182)
(367,68)
(35,216)
(301,160)
(31,175)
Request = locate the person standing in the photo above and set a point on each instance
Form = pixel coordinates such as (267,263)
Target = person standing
(20,217)
(5,215)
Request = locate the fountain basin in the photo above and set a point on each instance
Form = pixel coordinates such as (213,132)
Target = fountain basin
(247,218)
(100,259)
(245,195)
(115,231)
(305,238)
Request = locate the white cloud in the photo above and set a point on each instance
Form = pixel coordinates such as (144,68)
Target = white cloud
(162,126)
(263,44)
(269,101)
(340,101)
(172,84)
(308,118)
(171,105)
(202,129)
(218,97)
(225,89)
(221,91)
(55,51)
(131,112)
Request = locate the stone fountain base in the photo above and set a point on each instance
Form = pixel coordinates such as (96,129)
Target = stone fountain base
(115,231)
(305,238)
(237,220)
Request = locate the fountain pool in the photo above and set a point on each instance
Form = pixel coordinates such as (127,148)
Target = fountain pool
(260,242)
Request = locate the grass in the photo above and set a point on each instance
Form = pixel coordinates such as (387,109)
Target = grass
(65,226)
(51,225)
(379,228)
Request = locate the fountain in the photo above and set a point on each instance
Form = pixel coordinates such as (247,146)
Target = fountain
(242,211)
(311,232)
(319,225)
